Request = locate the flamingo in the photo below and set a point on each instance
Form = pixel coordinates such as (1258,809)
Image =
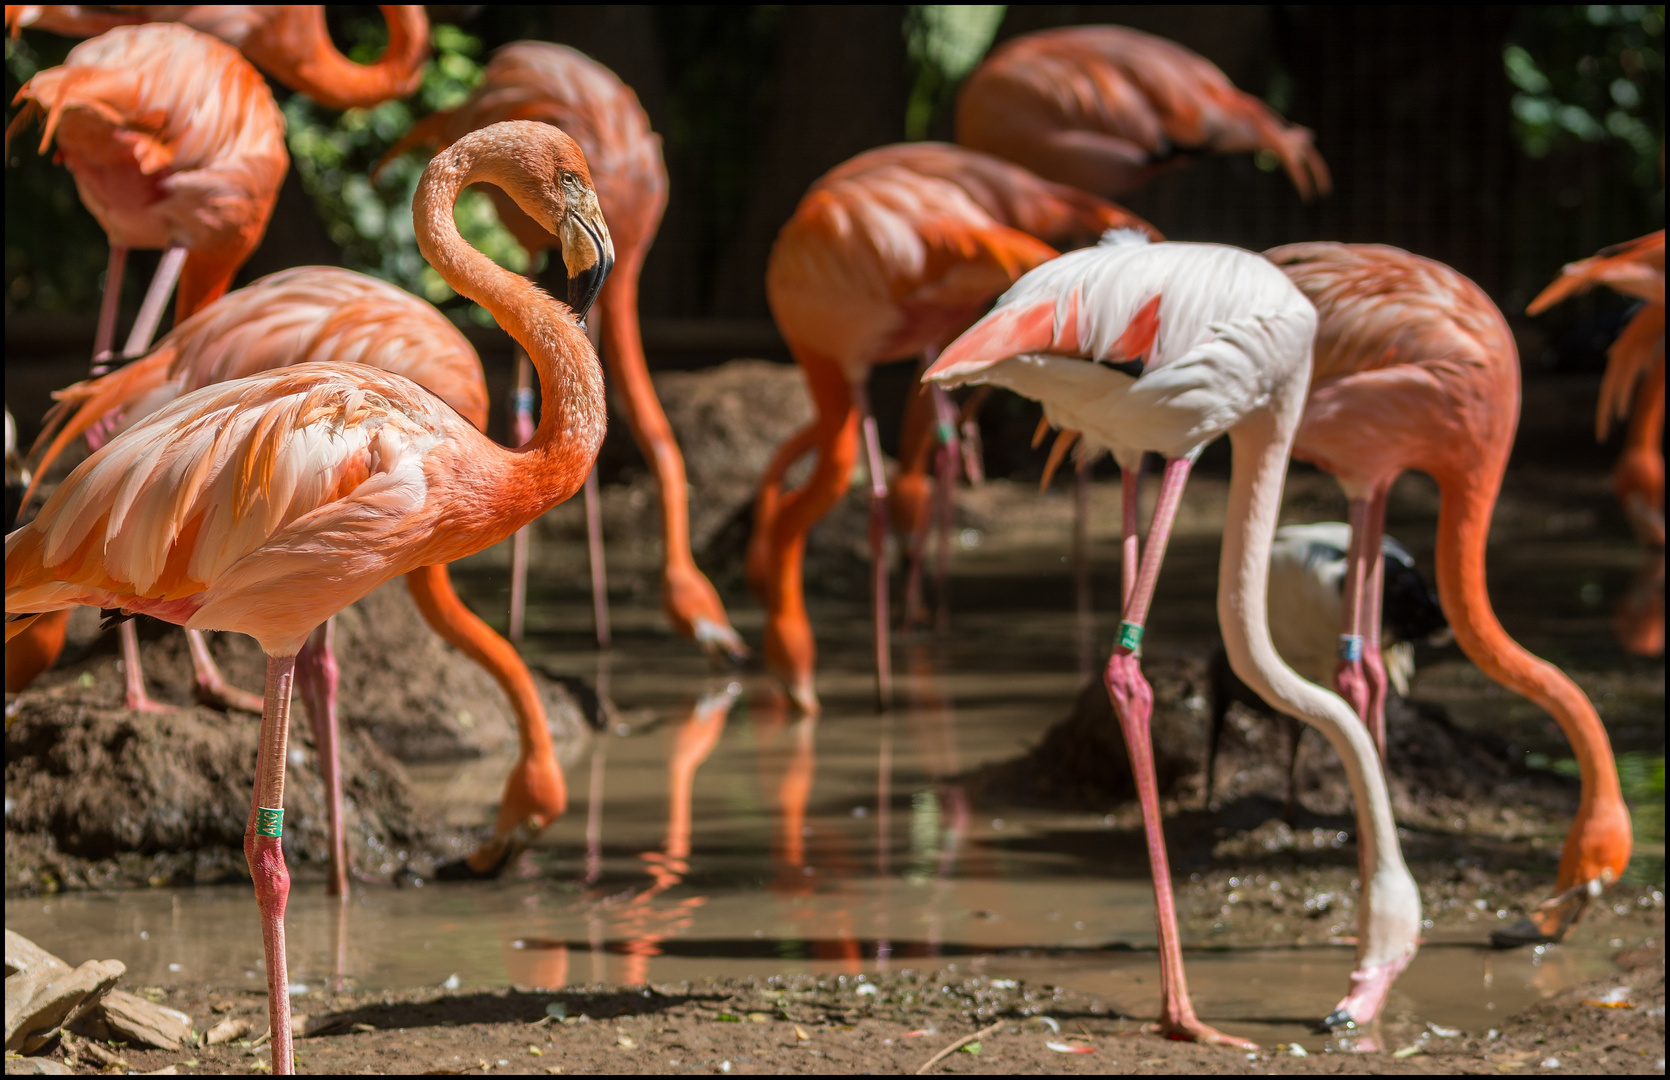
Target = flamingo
(1106,108)
(1635,268)
(320,314)
(268,504)
(1307,576)
(537,80)
(174,142)
(1165,347)
(888,255)
(287,41)
(1416,369)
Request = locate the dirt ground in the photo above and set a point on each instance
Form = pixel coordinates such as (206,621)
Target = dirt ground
(888,1023)
(98,796)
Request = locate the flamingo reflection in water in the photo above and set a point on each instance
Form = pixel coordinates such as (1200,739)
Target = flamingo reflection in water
(640,923)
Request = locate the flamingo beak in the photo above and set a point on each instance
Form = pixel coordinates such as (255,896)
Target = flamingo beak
(586,275)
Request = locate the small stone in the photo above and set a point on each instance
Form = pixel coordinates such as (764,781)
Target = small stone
(233,1027)
(144,1022)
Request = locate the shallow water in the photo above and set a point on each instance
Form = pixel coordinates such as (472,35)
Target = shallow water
(711,833)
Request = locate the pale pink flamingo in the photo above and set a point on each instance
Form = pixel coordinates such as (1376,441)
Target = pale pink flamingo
(266,505)
(1417,369)
(1165,347)
(319,314)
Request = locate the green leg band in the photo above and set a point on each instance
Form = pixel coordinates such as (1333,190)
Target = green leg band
(1130,635)
(269,822)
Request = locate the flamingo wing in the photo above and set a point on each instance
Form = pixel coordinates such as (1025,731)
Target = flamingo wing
(260,506)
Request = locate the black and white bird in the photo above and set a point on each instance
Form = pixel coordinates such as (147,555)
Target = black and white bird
(1307,570)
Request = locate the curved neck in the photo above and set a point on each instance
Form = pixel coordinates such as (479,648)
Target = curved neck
(1255,487)
(312,65)
(573,410)
(1466,499)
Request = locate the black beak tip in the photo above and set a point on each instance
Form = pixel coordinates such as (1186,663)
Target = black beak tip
(584,287)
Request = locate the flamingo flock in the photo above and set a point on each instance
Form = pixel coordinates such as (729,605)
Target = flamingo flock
(290,446)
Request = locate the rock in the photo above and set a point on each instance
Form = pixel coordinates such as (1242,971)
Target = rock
(1081,761)
(229,1029)
(37,1066)
(39,1002)
(145,1023)
(25,956)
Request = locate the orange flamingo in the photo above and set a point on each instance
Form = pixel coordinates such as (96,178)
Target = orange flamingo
(1166,347)
(318,314)
(287,41)
(1635,268)
(266,505)
(536,80)
(1416,369)
(174,142)
(888,256)
(1106,108)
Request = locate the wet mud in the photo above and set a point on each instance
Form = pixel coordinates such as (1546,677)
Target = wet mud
(100,796)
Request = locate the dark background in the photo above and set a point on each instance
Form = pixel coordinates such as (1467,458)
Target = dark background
(1411,107)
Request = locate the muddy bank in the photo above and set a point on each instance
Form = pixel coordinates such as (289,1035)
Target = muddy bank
(860,1024)
(100,796)
(1436,770)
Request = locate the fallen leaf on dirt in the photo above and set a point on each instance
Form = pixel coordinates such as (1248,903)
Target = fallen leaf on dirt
(914,1034)
(625,1042)
(800,1034)
(759,1018)
(1407,1051)
(535,1051)
(727,1018)
(972,1048)
(1615,998)
(1068,1048)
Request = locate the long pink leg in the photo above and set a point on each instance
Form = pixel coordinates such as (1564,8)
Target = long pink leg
(316,678)
(210,685)
(521,433)
(594,553)
(104,338)
(133,675)
(1348,675)
(1130,481)
(948,456)
(878,541)
(1133,703)
(263,847)
(1374,586)
(155,303)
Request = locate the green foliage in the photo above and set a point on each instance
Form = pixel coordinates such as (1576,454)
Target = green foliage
(334,153)
(944,42)
(1590,73)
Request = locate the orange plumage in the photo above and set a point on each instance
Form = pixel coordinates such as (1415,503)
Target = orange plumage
(889,254)
(1416,369)
(287,41)
(1104,108)
(555,84)
(173,140)
(1635,268)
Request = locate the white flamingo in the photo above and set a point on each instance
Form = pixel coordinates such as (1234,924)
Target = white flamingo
(1165,347)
